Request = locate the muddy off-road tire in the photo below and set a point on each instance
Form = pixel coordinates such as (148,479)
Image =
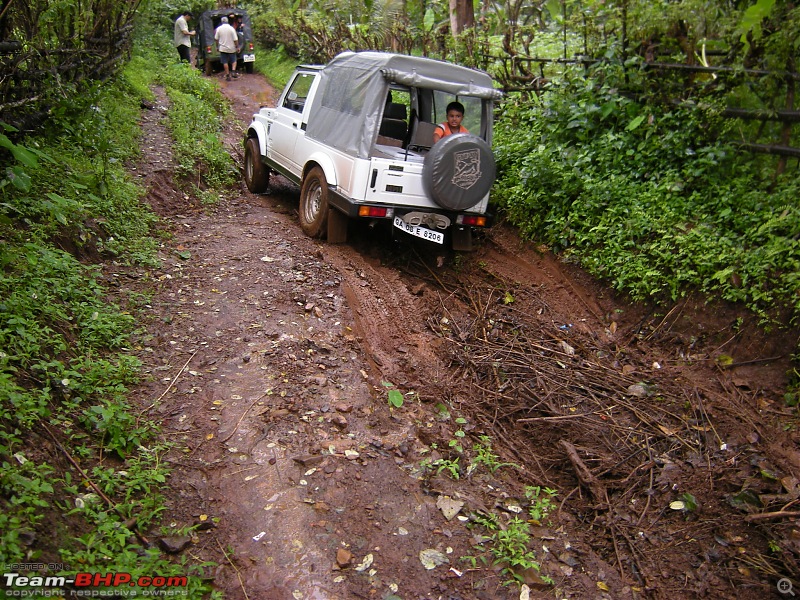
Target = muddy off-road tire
(314,203)
(256,174)
(458,171)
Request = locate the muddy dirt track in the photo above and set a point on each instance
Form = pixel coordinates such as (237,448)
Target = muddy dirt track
(271,357)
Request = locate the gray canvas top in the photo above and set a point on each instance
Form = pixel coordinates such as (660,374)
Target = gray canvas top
(354,86)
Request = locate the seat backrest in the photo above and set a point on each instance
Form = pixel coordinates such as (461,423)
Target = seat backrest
(394,123)
(422,137)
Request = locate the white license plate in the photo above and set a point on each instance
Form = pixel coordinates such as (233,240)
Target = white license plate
(248,57)
(420,232)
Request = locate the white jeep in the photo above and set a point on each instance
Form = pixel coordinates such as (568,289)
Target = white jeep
(357,136)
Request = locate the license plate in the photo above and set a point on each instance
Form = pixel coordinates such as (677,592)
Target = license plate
(248,57)
(420,232)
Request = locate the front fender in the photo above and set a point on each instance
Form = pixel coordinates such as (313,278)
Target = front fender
(259,131)
(325,162)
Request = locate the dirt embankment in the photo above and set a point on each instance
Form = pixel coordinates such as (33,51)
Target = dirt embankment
(271,356)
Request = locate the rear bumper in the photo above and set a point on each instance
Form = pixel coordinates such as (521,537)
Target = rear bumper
(346,206)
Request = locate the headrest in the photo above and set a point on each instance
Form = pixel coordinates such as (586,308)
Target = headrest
(395,110)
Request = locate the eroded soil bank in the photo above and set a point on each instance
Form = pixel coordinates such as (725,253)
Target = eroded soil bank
(271,356)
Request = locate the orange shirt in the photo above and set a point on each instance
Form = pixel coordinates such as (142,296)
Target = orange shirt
(445,129)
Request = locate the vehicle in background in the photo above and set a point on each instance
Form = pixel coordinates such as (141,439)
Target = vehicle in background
(207,54)
(357,136)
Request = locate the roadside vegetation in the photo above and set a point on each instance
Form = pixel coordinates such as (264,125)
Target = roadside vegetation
(653,198)
(80,467)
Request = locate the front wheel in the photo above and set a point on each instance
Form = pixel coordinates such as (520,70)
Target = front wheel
(314,203)
(256,175)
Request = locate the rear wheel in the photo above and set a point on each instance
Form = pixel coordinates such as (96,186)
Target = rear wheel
(256,174)
(314,203)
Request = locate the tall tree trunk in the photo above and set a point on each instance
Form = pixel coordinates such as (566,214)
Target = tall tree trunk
(462,15)
(786,129)
(467,14)
(455,22)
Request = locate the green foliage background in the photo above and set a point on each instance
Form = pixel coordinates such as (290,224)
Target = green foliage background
(648,196)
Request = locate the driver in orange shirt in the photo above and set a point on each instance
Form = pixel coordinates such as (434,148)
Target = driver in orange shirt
(455,114)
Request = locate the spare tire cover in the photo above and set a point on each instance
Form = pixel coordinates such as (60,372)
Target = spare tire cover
(458,171)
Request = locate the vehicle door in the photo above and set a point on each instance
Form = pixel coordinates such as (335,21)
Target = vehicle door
(290,120)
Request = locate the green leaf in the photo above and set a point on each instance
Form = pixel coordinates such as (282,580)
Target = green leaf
(441,408)
(23,155)
(751,21)
(745,500)
(395,398)
(429,20)
(555,9)
(635,123)
(19,178)
(689,501)
(607,109)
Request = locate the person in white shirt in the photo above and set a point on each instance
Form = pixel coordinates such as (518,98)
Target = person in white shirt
(228,46)
(183,40)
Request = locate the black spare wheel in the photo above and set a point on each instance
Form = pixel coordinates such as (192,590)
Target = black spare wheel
(458,171)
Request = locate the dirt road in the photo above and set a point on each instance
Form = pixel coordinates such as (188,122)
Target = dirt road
(272,356)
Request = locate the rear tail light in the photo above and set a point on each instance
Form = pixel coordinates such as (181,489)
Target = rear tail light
(250,45)
(472,220)
(373,211)
(208,49)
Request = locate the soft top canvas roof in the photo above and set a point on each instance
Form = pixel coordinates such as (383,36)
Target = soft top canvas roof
(353,89)
(421,72)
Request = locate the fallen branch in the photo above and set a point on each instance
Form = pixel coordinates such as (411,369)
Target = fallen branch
(91,483)
(239,422)
(779,514)
(171,383)
(238,574)
(585,476)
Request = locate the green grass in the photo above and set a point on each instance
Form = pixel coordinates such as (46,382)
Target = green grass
(275,65)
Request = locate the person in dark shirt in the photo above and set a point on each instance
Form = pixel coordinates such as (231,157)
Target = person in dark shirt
(238,25)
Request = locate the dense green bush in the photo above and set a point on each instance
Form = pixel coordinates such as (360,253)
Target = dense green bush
(648,196)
